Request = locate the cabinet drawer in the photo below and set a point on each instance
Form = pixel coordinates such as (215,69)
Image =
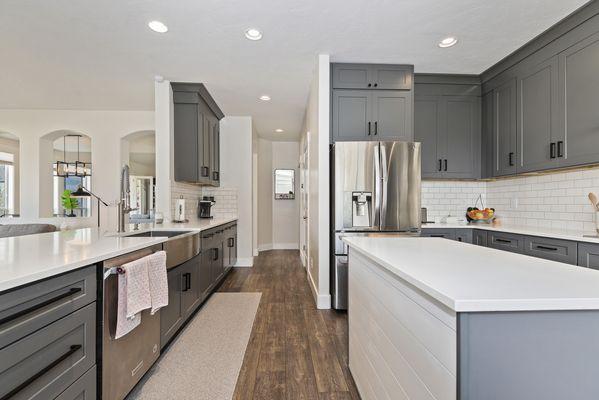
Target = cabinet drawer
(552,249)
(463,235)
(45,363)
(588,255)
(506,241)
(83,389)
(442,233)
(479,237)
(25,310)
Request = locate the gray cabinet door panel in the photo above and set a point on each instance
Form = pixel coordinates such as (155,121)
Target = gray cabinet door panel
(579,86)
(438,232)
(588,255)
(551,249)
(426,131)
(186,127)
(396,77)
(505,137)
(56,356)
(392,115)
(30,308)
(464,235)
(83,389)
(351,76)
(171,317)
(479,237)
(506,241)
(487,118)
(352,115)
(190,290)
(538,112)
(461,117)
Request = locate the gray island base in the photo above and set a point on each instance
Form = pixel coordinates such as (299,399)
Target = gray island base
(469,323)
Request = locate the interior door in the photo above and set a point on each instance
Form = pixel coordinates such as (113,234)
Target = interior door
(400,194)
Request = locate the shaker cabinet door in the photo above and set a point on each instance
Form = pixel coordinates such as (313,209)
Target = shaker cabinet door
(171,317)
(538,112)
(461,122)
(352,76)
(426,131)
(392,77)
(391,115)
(352,115)
(487,145)
(579,91)
(187,123)
(505,154)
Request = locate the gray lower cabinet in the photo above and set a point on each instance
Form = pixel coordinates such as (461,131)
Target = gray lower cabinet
(464,235)
(190,290)
(564,251)
(588,255)
(45,363)
(171,316)
(231,245)
(506,241)
(579,94)
(196,137)
(505,154)
(539,126)
(448,126)
(438,233)
(372,76)
(479,237)
(84,388)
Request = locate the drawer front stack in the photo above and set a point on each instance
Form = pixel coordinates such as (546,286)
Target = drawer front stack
(48,338)
(506,241)
(551,249)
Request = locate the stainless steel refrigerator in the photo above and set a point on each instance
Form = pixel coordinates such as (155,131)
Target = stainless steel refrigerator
(376,192)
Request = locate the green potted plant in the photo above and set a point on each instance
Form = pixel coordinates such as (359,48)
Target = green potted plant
(68,202)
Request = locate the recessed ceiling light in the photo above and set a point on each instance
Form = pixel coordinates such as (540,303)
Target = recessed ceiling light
(158,26)
(279,130)
(253,34)
(448,42)
(265,97)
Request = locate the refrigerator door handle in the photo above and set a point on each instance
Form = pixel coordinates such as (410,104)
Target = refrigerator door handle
(377,188)
(383,183)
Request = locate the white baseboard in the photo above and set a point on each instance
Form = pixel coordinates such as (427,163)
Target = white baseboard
(323,301)
(256,251)
(245,262)
(285,246)
(265,247)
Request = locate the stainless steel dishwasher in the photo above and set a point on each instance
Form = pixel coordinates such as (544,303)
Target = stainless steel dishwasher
(125,360)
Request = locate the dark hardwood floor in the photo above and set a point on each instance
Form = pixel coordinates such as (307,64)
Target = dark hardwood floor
(295,351)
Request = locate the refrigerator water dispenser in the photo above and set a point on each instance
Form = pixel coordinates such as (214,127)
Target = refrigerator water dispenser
(361,209)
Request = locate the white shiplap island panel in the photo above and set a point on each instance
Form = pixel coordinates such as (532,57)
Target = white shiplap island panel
(435,319)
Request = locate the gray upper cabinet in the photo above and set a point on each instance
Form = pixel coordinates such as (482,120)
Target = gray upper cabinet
(351,114)
(579,95)
(392,115)
(372,76)
(539,117)
(196,135)
(505,154)
(448,126)
(487,106)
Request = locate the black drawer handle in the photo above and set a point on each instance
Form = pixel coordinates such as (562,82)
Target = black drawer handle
(215,254)
(511,159)
(72,350)
(369,123)
(215,176)
(205,171)
(31,309)
(552,150)
(376,126)
(231,242)
(185,282)
(445,167)
(560,148)
(541,247)
(503,241)
(440,164)
(441,236)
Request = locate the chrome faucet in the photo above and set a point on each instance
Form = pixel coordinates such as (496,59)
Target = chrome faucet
(124,202)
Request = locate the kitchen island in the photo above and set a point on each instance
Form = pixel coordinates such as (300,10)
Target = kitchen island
(436,319)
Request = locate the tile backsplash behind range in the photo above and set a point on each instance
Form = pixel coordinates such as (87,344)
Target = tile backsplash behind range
(225,198)
(556,199)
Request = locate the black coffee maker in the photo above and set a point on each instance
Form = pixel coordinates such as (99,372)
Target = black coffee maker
(204,206)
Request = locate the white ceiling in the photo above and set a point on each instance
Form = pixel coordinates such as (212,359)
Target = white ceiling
(89,54)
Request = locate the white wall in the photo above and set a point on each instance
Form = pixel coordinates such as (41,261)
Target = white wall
(106,128)
(285,213)
(265,196)
(316,128)
(236,173)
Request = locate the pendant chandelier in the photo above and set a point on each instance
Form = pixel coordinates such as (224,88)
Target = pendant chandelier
(77,168)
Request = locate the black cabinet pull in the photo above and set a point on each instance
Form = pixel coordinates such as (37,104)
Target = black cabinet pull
(445,167)
(440,164)
(511,159)
(215,254)
(503,241)
(215,176)
(376,128)
(31,309)
(437,235)
(72,350)
(368,128)
(560,148)
(189,280)
(184,283)
(376,84)
(459,239)
(231,242)
(552,150)
(370,84)
(541,247)
(205,171)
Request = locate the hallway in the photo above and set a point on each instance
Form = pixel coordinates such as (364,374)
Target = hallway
(294,351)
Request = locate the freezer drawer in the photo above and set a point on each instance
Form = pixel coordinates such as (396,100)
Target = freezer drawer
(340,285)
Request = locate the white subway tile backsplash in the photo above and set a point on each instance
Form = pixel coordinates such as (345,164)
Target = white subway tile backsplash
(225,199)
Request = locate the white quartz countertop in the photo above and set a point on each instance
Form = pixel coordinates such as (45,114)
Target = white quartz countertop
(26,259)
(557,233)
(468,278)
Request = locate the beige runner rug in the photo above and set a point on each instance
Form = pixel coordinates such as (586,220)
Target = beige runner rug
(204,361)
